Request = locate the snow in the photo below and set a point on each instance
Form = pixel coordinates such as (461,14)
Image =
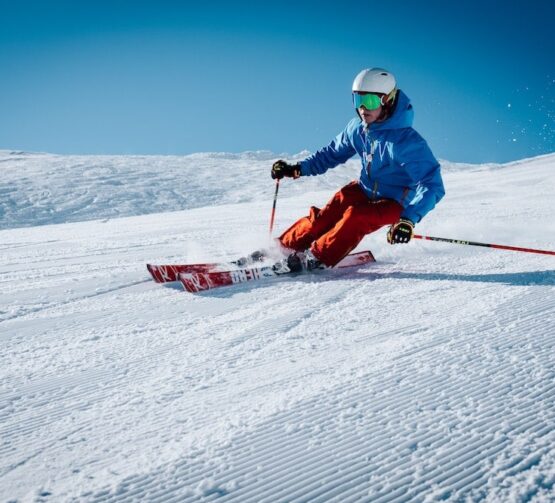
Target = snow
(427,376)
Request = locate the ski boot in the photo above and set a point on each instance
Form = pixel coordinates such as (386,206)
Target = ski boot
(298,262)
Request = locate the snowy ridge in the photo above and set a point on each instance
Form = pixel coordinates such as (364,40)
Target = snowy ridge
(40,189)
(428,376)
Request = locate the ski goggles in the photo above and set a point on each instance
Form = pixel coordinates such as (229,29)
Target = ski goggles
(369,101)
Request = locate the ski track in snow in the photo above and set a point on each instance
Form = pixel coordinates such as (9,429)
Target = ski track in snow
(428,376)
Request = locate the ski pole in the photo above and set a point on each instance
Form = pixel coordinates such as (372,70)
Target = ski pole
(488,245)
(274,208)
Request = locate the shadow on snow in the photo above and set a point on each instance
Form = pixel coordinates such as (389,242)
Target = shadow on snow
(530,278)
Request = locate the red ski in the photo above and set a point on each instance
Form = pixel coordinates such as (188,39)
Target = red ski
(169,272)
(200,281)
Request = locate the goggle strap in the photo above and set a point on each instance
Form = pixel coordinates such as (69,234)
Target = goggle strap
(391,95)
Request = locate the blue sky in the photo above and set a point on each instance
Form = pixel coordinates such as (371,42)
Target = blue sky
(179,77)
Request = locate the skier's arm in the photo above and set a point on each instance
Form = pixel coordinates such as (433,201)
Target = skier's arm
(429,190)
(337,152)
(424,172)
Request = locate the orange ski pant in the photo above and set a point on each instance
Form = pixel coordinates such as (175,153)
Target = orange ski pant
(335,230)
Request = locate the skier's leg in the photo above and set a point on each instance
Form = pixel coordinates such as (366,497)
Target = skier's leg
(357,221)
(299,236)
(319,221)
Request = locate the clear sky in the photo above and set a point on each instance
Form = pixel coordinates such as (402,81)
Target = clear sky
(161,77)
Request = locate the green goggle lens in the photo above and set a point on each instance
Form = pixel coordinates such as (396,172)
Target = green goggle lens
(368,101)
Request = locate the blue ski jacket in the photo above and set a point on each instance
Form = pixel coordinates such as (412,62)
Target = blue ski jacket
(396,161)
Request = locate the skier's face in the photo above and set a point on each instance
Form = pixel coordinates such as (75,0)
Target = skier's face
(369,116)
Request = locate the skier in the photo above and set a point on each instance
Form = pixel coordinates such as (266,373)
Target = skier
(400,180)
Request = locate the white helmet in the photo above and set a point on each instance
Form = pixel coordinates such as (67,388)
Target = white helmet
(375,80)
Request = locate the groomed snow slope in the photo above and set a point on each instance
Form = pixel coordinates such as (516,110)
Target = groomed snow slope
(428,376)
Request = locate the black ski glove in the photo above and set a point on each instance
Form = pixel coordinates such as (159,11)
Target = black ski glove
(281,168)
(401,232)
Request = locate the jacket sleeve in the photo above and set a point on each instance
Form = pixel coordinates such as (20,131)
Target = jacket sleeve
(340,150)
(427,185)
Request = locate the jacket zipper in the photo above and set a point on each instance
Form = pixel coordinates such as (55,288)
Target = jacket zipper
(369,164)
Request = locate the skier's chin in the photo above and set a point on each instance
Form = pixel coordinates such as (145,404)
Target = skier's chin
(367,116)
(368,119)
